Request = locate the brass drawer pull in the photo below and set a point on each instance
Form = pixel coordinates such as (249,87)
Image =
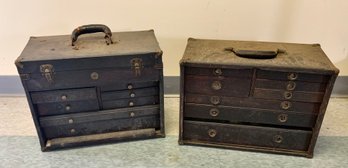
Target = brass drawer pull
(132,95)
(214,112)
(285,105)
(131,104)
(291,85)
(282,118)
(217,71)
(215,100)
(212,133)
(67,107)
(94,76)
(287,95)
(71,121)
(216,85)
(130,86)
(292,76)
(64,97)
(131,114)
(278,139)
(72,130)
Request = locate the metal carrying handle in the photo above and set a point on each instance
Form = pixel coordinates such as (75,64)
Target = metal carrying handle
(256,54)
(91,28)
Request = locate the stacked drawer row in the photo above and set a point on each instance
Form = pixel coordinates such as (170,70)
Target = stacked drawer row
(80,112)
(250,108)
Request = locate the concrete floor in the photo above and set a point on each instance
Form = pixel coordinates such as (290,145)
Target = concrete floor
(19,145)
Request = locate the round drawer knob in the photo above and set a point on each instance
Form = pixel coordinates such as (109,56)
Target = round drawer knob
(278,139)
(292,76)
(287,95)
(71,121)
(132,95)
(131,114)
(215,100)
(64,97)
(214,112)
(282,118)
(72,130)
(130,86)
(94,76)
(131,104)
(212,133)
(67,107)
(285,105)
(216,85)
(217,71)
(291,85)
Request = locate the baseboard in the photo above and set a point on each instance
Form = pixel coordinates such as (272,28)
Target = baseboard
(12,86)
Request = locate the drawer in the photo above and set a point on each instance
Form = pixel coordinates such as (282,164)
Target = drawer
(132,93)
(239,73)
(131,102)
(89,78)
(124,85)
(290,85)
(248,115)
(64,95)
(288,95)
(211,85)
(100,122)
(253,103)
(293,76)
(254,136)
(46,109)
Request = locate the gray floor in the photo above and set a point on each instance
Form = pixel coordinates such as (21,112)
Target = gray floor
(19,145)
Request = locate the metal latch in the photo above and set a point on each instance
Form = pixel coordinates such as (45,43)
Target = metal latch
(137,65)
(47,72)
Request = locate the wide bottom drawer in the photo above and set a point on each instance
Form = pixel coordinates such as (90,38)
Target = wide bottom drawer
(231,135)
(100,122)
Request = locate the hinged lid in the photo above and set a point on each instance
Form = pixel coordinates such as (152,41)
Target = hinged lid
(263,55)
(88,50)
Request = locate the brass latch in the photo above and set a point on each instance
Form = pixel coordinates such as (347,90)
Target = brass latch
(47,72)
(137,65)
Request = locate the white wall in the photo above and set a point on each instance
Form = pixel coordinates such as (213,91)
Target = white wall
(301,21)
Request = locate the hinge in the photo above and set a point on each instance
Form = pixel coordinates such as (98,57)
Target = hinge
(137,65)
(47,72)
(24,76)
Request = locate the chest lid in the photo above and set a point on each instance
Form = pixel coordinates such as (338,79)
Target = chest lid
(262,55)
(97,48)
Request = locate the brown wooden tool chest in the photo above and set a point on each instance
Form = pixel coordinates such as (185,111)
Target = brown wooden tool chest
(260,96)
(94,89)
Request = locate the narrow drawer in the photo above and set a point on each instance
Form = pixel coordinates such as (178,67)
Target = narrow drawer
(89,78)
(231,135)
(239,73)
(290,85)
(46,109)
(66,95)
(131,102)
(253,103)
(276,75)
(288,95)
(124,85)
(211,85)
(100,122)
(248,115)
(132,93)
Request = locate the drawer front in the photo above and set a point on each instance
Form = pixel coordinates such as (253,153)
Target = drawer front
(210,85)
(132,102)
(100,122)
(290,85)
(131,93)
(64,95)
(253,103)
(239,73)
(124,85)
(46,109)
(248,115)
(89,78)
(226,134)
(276,75)
(288,95)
